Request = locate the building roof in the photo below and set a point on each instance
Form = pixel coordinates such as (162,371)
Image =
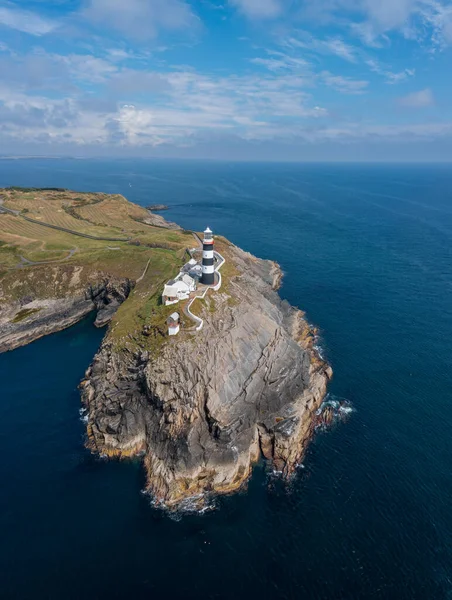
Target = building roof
(177,286)
(173,320)
(187,279)
(189,266)
(170,291)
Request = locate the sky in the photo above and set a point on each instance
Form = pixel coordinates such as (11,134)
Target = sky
(280,80)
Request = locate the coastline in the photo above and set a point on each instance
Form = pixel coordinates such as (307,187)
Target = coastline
(206,408)
(202,408)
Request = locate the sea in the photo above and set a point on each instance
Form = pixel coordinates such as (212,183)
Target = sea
(366,251)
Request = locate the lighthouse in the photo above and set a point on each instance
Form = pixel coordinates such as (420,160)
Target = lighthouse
(208,271)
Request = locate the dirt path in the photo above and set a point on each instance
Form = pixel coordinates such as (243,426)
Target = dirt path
(197,239)
(144,272)
(24,262)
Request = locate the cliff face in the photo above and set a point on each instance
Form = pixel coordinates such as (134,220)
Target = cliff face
(26,320)
(210,403)
(201,407)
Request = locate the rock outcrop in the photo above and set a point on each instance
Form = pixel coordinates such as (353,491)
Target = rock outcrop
(157,207)
(207,405)
(107,297)
(159,221)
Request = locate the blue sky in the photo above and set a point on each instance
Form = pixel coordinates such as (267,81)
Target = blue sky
(227,79)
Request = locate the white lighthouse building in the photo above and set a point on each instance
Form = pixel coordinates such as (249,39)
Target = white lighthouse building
(208,269)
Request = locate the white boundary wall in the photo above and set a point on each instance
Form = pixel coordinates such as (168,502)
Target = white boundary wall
(198,320)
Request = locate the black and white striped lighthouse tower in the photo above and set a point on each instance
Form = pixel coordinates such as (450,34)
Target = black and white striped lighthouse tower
(208,269)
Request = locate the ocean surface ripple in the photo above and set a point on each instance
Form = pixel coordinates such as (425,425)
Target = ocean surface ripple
(367,253)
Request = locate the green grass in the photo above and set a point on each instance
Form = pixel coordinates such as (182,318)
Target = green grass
(201,304)
(140,322)
(24,313)
(8,256)
(144,307)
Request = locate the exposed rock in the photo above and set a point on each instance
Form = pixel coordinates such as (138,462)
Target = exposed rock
(207,406)
(107,298)
(157,207)
(55,314)
(159,221)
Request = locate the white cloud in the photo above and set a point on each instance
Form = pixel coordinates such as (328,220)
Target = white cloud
(42,70)
(140,19)
(332,45)
(439,17)
(302,72)
(345,85)
(390,76)
(129,81)
(261,9)
(26,21)
(389,14)
(173,106)
(421,99)
(340,48)
(336,46)
(279,61)
(426,21)
(40,120)
(54,122)
(111,104)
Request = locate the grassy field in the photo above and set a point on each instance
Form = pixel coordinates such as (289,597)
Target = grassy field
(69,263)
(38,262)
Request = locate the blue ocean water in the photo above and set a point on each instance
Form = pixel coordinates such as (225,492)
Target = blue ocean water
(367,252)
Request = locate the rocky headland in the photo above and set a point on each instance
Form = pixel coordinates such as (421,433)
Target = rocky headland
(200,408)
(208,405)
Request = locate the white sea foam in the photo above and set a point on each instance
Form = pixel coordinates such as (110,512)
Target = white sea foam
(341,408)
(199,505)
(320,351)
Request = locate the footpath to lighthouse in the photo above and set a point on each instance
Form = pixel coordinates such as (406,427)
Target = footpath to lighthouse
(212,262)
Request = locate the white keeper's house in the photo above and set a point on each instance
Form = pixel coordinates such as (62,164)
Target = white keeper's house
(178,289)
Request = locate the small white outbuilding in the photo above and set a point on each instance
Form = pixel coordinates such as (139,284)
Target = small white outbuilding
(173,324)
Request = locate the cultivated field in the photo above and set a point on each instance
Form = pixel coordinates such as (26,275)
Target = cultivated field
(42,262)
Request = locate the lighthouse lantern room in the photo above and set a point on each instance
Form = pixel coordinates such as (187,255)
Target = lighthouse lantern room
(208,269)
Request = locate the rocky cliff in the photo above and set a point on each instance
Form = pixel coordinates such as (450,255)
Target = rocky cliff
(27,319)
(201,407)
(206,405)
